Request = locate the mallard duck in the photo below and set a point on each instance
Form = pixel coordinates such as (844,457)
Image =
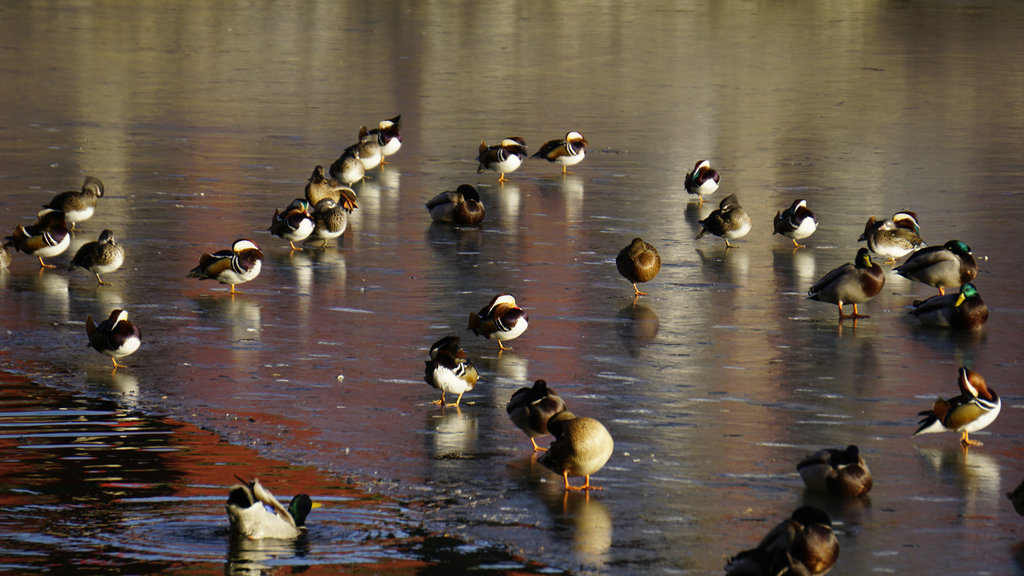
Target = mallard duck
(449,370)
(948,266)
(502,158)
(47,237)
(320,187)
(836,471)
(369,149)
(581,447)
(850,284)
(568,151)
(238,265)
(99,257)
(974,409)
(388,137)
(530,409)
(348,168)
(78,205)
(295,224)
(116,336)
(893,238)
(1017,497)
(461,207)
(962,311)
(638,262)
(702,180)
(730,221)
(796,222)
(802,544)
(501,320)
(256,514)
(329,221)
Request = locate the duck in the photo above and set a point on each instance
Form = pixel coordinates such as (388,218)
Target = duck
(530,409)
(907,219)
(850,284)
(796,222)
(329,221)
(238,265)
(502,158)
(255,513)
(449,370)
(582,446)
(502,320)
(1017,497)
(948,266)
(116,336)
(638,262)
(47,237)
(370,152)
(702,180)
(78,205)
(320,186)
(461,207)
(962,311)
(5,258)
(974,409)
(295,224)
(804,543)
(387,134)
(836,471)
(893,238)
(99,257)
(730,221)
(568,151)
(348,168)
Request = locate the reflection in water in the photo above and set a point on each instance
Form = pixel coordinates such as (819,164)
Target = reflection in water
(453,432)
(508,370)
(960,346)
(460,245)
(52,287)
(976,475)
(572,195)
(87,483)
(581,517)
(796,269)
(638,326)
(238,315)
(507,201)
(256,557)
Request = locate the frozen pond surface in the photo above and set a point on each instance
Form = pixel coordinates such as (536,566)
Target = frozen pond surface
(201,120)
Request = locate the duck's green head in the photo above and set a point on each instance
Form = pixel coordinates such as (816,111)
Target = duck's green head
(966,291)
(957,247)
(299,508)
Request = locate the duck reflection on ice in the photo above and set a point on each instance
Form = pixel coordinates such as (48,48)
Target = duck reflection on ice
(976,475)
(637,327)
(584,520)
(453,433)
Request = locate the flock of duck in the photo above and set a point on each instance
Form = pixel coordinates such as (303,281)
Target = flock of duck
(801,544)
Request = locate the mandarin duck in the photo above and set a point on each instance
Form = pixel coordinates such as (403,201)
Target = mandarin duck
(502,320)
(238,265)
(974,409)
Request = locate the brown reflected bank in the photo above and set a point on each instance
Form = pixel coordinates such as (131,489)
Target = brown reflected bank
(89,486)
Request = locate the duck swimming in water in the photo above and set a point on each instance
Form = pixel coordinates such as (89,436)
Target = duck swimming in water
(256,514)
